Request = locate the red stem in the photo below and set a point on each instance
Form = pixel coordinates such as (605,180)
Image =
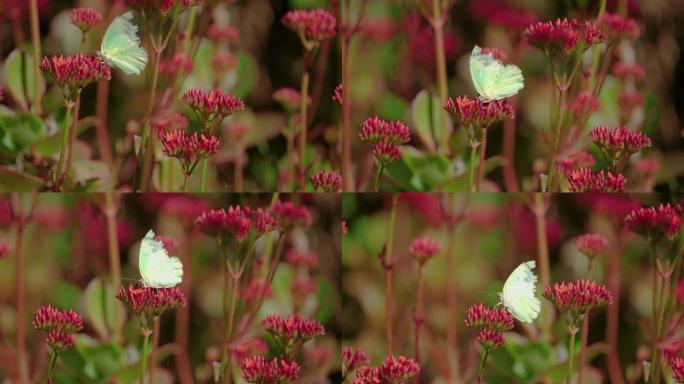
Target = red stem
(155,350)
(418,318)
(347,178)
(101,133)
(182,320)
(20,298)
(452,340)
(613,312)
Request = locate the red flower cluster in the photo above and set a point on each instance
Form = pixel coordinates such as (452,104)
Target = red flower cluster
(288,215)
(471,111)
(655,222)
(677,366)
(213,104)
(619,141)
(148,303)
(178,64)
(302,258)
(624,70)
(221,33)
(616,27)
(73,73)
(234,222)
(587,180)
(189,148)
(591,244)
(327,181)
(578,297)
(167,120)
(630,99)
(60,325)
(584,103)
(491,323)
(424,248)
(312,25)
(223,61)
(562,35)
(352,359)
(256,289)
(394,370)
(292,330)
(580,159)
(163,6)
(387,137)
(289,98)
(501,13)
(337,94)
(4,249)
(253,346)
(84,18)
(258,370)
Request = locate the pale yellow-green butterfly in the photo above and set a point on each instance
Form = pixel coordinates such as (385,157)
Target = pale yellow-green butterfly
(518,294)
(492,79)
(157,268)
(121,48)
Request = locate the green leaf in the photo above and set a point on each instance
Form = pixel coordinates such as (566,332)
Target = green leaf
(19,72)
(246,74)
(12,180)
(427,114)
(19,132)
(392,107)
(101,305)
(50,145)
(519,360)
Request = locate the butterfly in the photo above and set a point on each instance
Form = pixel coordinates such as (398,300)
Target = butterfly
(121,46)
(518,295)
(157,268)
(492,79)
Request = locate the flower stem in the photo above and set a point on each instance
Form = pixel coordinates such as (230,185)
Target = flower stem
(452,341)
(471,165)
(418,318)
(655,310)
(183,317)
(302,134)
(583,349)
(203,174)
(539,210)
(35,42)
(155,349)
(65,142)
(483,362)
(114,261)
(571,355)
(388,273)
(480,164)
(146,152)
(291,163)
(51,367)
(378,176)
(239,168)
(143,358)
(20,220)
(345,40)
(231,320)
(613,312)
(437,23)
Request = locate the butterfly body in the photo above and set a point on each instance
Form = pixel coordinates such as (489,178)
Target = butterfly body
(493,79)
(518,294)
(157,268)
(121,46)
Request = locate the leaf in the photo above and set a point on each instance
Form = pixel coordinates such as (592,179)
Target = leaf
(100,304)
(427,114)
(19,66)
(19,132)
(12,180)
(51,145)
(246,73)
(392,107)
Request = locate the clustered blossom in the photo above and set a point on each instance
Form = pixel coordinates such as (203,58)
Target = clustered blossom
(619,141)
(4,249)
(288,215)
(312,25)
(148,303)
(491,324)
(327,181)
(259,370)
(394,370)
(587,180)
(84,18)
(227,33)
(591,244)
(578,297)
(579,159)
(655,222)
(562,35)
(584,103)
(189,148)
(630,99)
(234,222)
(616,27)
(59,324)
(386,136)
(677,366)
(337,94)
(212,105)
(167,120)
(503,14)
(304,258)
(289,98)
(352,359)
(73,73)
(223,61)
(293,330)
(476,114)
(162,6)
(624,70)
(178,64)
(256,289)
(424,248)
(249,347)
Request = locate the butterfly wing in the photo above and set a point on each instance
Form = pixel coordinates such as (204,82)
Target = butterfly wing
(518,294)
(157,268)
(492,79)
(121,45)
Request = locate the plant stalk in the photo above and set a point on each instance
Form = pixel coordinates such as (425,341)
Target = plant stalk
(418,318)
(388,272)
(378,176)
(480,164)
(483,362)
(20,294)
(114,256)
(239,169)
(155,350)
(146,152)
(345,40)
(571,355)
(35,42)
(143,358)
(471,165)
(613,312)
(452,341)
(302,134)
(539,210)
(65,142)
(51,366)
(437,23)
(72,136)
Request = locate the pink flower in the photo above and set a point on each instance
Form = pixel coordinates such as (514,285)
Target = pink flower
(184,207)
(617,27)
(289,98)
(471,111)
(618,141)
(318,355)
(584,103)
(337,94)
(48,318)
(212,105)
(374,130)
(394,370)
(630,99)
(581,159)
(4,249)
(352,359)
(162,6)
(586,180)
(170,244)
(258,370)
(255,290)
(223,62)
(421,42)
(292,330)
(189,148)
(655,222)
(84,18)
(59,341)
(327,181)
(223,33)
(73,73)
(178,64)
(167,120)
(479,316)
(385,152)
(503,14)
(147,302)
(495,53)
(646,166)
(578,297)
(253,346)
(677,366)
(302,258)
(288,215)
(424,248)
(490,339)
(303,286)
(591,244)
(312,25)
(624,70)
(562,35)
(233,222)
